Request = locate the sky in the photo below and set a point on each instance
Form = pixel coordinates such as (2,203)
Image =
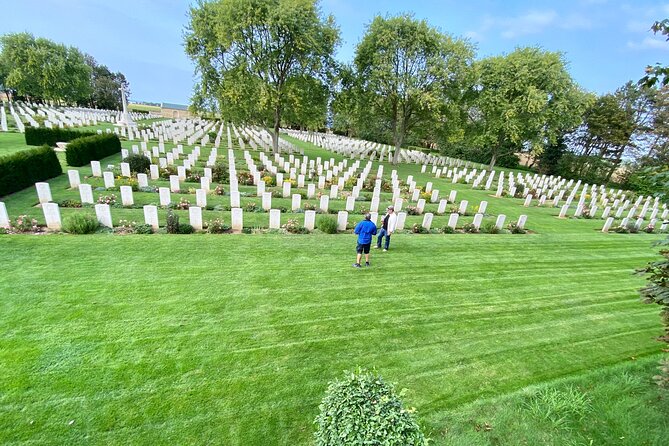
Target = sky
(606,43)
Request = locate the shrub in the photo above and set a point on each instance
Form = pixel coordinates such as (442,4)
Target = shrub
(138,163)
(82,151)
(293,226)
(217,227)
(185,228)
(143,229)
(24,223)
(448,230)
(219,190)
(27,167)
(413,210)
(42,135)
(419,229)
(70,204)
(362,409)
(172,223)
(167,171)
(309,206)
(245,178)
(251,206)
(193,177)
(80,224)
(515,229)
(470,228)
(107,199)
(327,224)
(490,228)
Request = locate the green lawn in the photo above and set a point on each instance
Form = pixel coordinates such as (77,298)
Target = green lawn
(11,142)
(232,339)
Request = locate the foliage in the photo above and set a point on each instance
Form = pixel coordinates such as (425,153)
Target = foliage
(413,210)
(515,229)
(106,86)
(82,151)
(524,99)
(41,69)
(185,228)
(220,173)
(449,230)
(107,199)
(470,228)
(70,203)
(143,228)
(656,291)
(172,223)
(23,223)
(80,223)
(558,406)
(406,76)
(658,73)
(37,136)
(245,178)
(490,228)
(217,226)
(138,163)
(419,229)
(327,224)
(27,167)
(256,59)
(361,408)
(293,226)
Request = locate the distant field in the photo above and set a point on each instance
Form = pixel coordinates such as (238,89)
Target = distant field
(144,107)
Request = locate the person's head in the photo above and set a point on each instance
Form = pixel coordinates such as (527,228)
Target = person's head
(390,209)
(368,216)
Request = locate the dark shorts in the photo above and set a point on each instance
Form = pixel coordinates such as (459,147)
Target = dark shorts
(363,248)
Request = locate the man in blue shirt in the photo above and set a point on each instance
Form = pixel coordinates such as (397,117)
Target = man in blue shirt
(365,230)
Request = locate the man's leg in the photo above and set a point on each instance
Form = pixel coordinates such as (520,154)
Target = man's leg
(358,258)
(367,258)
(387,241)
(380,238)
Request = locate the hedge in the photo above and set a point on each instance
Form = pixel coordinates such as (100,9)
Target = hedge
(82,151)
(22,169)
(42,135)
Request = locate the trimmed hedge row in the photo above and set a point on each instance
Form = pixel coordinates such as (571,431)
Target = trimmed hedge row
(22,169)
(42,135)
(82,151)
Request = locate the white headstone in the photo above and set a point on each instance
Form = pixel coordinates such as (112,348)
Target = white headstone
(607,224)
(126,196)
(201,198)
(142,180)
(154,172)
(462,210)
(421,205)
(52,216)
(174,183)
(375,204)
(309,220)
(342,220)
(311,190)
(96,169)
(401,219)
(235,199)
(500,221)
(274,218)
(427,221)
(478,219)
(267,201)
(563,211)
(125,169)
(151,216)
(4,217)
(164,194)
(195,217)
(237,219)
(350,203)
(483,206)
(296,201)
(453,220)
(103,214)
(521,221)
(109,179)
(43,192)
(325,201)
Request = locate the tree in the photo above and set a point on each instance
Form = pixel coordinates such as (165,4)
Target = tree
(258,58)
(106,86)
(658,73)
(41,69)
(408,74)
(524,99)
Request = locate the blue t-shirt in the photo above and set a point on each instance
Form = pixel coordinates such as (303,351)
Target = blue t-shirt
(365,230)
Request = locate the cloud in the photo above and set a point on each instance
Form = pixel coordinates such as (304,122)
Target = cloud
(531,22)
(649,43)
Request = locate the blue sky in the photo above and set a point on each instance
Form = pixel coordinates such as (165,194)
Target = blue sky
(606,42)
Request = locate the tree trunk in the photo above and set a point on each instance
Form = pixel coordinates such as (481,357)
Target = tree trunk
(275,134)
(396,155)
(493,160)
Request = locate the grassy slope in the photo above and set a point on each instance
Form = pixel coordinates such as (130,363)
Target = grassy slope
(196,339)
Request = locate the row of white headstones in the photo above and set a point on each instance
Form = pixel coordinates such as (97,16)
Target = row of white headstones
(290,167)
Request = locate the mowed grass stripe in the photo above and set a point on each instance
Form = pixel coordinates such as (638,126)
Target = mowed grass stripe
(232,339)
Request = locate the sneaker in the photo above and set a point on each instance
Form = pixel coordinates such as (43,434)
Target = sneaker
(356,265)
(385,250)
(376,247)
(366,264)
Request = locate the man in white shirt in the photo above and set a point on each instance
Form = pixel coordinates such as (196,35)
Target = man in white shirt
(387,228)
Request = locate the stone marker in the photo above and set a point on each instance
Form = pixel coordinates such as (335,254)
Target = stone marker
(311,190)
(274,218)
(43,192)
(350,203)
(421,205)
(500,221)
(325,201)
(398,204)
(165,198)
(528,200)
(267,201)
(73,176)
(151,216)
(126,196)
(375,217)
(452,196)
(296,202)
(109,179)
(125,170)
(174,183)
(237,219)
(201,198)
(453,220)
(103,214)
(521,221)
(4,217)
(309,220)
(52,216)
(235,199)
(462,210)
(442,206)
(483,206)
(195,217)
(427,220)
(374,207)
(260,188)
(342,220)
(96,169)
(401,219)
(154,172)
(286,189)
(607,224)
(478,219)
(435,196)
(142,180)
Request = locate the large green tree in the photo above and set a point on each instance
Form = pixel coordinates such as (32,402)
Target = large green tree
(657,73)
(408,75)
(106,86)
(258,59)
(41,69)
(524,99)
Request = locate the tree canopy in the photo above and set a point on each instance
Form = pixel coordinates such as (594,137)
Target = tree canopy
(262,60)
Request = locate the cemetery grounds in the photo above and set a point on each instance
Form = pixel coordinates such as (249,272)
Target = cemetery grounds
(534,338)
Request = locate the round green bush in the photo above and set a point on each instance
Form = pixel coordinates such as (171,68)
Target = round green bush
(327,224)
(138,163)
(185,228)
(362,409)
(80,224)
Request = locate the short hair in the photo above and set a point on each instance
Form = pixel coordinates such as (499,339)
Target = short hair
(391,208)
(368,216)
